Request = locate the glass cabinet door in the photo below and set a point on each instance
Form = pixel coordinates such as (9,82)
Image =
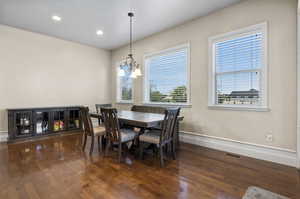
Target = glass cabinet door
(74,119)
(42,122)
(58,120)
(24,124)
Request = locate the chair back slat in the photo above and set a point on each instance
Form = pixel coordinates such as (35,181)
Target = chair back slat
(169,124)
(86,120)
(99,106)
(111,122)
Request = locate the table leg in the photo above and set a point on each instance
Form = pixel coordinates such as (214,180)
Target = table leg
(137,143)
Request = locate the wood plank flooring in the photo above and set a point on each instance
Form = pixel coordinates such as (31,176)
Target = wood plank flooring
(57,168)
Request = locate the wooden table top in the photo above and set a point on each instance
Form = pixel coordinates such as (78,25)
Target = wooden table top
(138,119)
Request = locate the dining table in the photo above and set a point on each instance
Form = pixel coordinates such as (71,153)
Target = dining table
(141,120)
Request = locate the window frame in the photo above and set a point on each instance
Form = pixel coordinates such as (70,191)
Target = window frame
(146,85)
(118,86)
(263,28)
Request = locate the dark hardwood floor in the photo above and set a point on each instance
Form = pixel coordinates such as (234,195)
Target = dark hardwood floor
(57,168)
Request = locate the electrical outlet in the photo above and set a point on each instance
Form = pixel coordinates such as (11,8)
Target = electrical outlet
(269,138)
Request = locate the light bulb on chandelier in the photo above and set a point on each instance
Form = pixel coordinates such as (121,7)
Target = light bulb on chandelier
(133,75)
(121,72)
(138,71)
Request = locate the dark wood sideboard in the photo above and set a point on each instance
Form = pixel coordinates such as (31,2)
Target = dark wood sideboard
(28,123)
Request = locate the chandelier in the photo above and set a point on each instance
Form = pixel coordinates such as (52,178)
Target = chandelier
(129,62)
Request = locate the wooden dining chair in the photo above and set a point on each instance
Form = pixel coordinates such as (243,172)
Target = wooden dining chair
(115,135)
(164,137)
(91,131)
(98,110)
(159,110)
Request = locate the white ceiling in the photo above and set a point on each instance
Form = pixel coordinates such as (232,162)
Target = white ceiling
(82,18)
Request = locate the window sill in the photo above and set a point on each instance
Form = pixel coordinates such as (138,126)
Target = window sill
(239,108)
(168,105)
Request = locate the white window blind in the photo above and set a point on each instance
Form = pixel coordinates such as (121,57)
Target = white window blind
(167,79)
(124,86)
(239,67)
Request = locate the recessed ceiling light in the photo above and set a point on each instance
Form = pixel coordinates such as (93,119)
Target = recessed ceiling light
(56,18)
(99,32)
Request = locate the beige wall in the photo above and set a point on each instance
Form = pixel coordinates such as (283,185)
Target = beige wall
(245,126)
(37,70)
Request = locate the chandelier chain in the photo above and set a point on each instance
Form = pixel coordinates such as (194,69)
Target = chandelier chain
(130,33)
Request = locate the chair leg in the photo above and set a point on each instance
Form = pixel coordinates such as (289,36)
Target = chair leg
(155,149)
(166,148)
(84,141)
(169,146)
(120,152)
(100,144)
(107,147)
(141,150)
(173,145)
(161,154)
(92,145)
(125,148)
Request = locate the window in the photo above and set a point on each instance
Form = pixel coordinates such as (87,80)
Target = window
(124,85)
(238,75)
(167,76)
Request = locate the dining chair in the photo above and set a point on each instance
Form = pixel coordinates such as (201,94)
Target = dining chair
(115,135)
(91,131)
(159,110)
(98,110)
(164,137)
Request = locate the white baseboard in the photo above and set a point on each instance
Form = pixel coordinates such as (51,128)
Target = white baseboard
(273,154)
(3,136)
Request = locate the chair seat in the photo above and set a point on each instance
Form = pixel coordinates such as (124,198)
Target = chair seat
(127,135)
(99,131)
(151,137)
